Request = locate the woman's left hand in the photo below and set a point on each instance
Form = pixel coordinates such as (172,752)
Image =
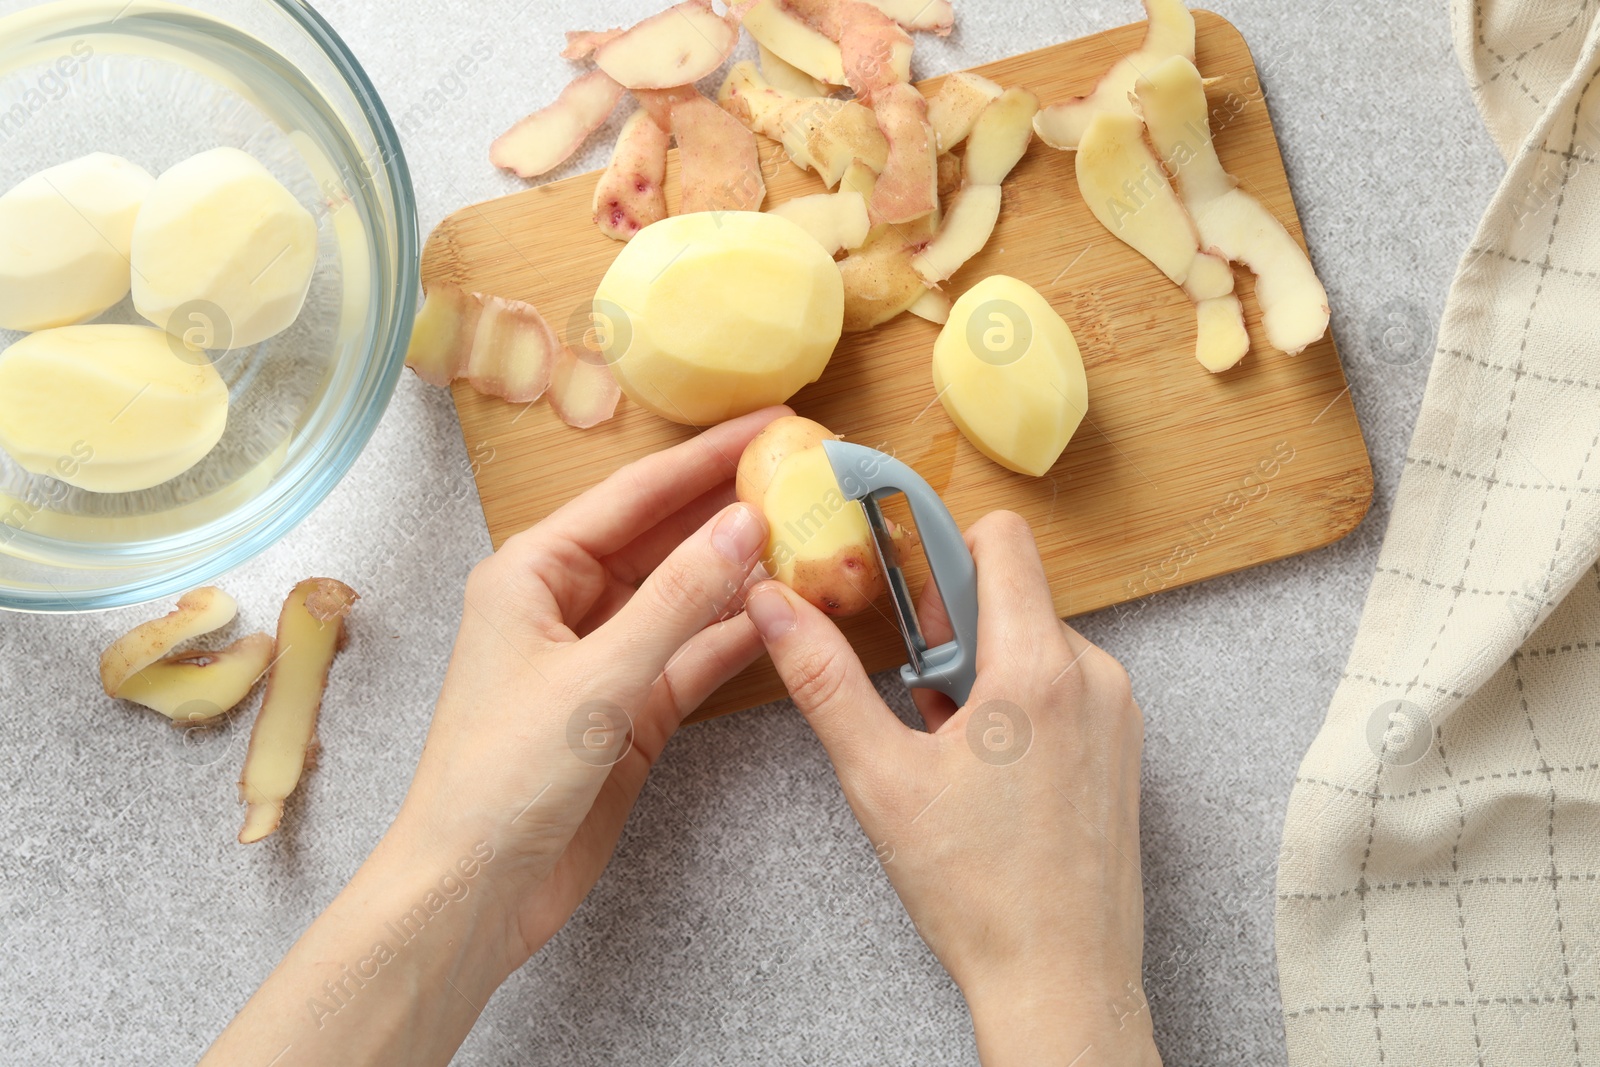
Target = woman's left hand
(585,642)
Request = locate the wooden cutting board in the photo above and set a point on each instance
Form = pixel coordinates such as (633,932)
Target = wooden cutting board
(1176,476)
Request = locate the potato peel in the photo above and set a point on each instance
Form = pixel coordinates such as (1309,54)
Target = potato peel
(311,630)
(550,136)
(678,46)
(956,106)
(1231,223)
(931,16)
(632,193)
(998,140)
(875,50)
(442,336)
(879,280)
(719,159)
(838,221)
(1125,187)
(908,187)
(193,687)
(933,305)
(582,393)
(513,350)
(785,76)
(820,134)
(582,44)
(198,612)
(795,41)
(966,228)
(1170,33)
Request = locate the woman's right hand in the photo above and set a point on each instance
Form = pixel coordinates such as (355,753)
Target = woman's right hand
(1010,829)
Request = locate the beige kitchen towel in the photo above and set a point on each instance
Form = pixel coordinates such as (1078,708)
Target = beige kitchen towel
(1439,884)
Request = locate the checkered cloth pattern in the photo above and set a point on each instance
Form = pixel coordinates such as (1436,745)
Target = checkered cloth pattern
(1439,885)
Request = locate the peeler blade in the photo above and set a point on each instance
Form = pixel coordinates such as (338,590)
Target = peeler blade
(905,611)
(867,475)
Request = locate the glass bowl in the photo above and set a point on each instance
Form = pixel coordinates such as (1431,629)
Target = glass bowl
(156,82)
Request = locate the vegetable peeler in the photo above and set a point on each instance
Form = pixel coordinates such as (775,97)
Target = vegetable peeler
(867,476)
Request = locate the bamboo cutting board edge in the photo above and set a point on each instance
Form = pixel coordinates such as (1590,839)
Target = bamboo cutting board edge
(1321,497)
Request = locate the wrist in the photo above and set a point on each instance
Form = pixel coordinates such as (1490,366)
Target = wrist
(1085,1029)
(414,885)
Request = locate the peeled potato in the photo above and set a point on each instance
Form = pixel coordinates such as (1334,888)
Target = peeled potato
(108,408)
(1009,373)
(709,316)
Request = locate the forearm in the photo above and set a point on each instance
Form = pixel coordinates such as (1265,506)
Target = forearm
(395,971)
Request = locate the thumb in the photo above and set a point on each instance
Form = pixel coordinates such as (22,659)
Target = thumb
(826,680)
(692,588)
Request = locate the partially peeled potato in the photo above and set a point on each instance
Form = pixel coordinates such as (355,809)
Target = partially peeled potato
(819,543)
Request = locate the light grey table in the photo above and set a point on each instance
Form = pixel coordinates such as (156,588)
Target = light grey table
(744,919)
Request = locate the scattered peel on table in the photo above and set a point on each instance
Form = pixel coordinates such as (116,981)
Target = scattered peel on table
(933,305)
(820,134)
(795,41)
(956,106)
(930,16)
(966,228)
(632,193)
(837,220)
(583,393)
(998,140)
(443,335)
(198,612)
(513,350)
(311,630)
(1124,186)
(678,46)
(1231,223)
(198,686)
(876,51)
(1171,33)
(582,44)
(908,186)
(879,279)
(718,157)
(782,74)
(550,136)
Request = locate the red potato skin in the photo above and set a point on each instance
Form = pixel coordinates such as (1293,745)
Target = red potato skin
(468,309)
(582,393)
(495,381)
(846,585)
(720,159)
(824,16)
(602,52)
(908,188)
(868,40)
(632,194)
(509,152)
(329,601)
(581,44)
(777,440)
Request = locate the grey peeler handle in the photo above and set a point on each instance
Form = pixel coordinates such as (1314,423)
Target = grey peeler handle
(868,475)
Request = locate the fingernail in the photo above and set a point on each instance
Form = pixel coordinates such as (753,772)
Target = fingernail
(737,536)
(771,613)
